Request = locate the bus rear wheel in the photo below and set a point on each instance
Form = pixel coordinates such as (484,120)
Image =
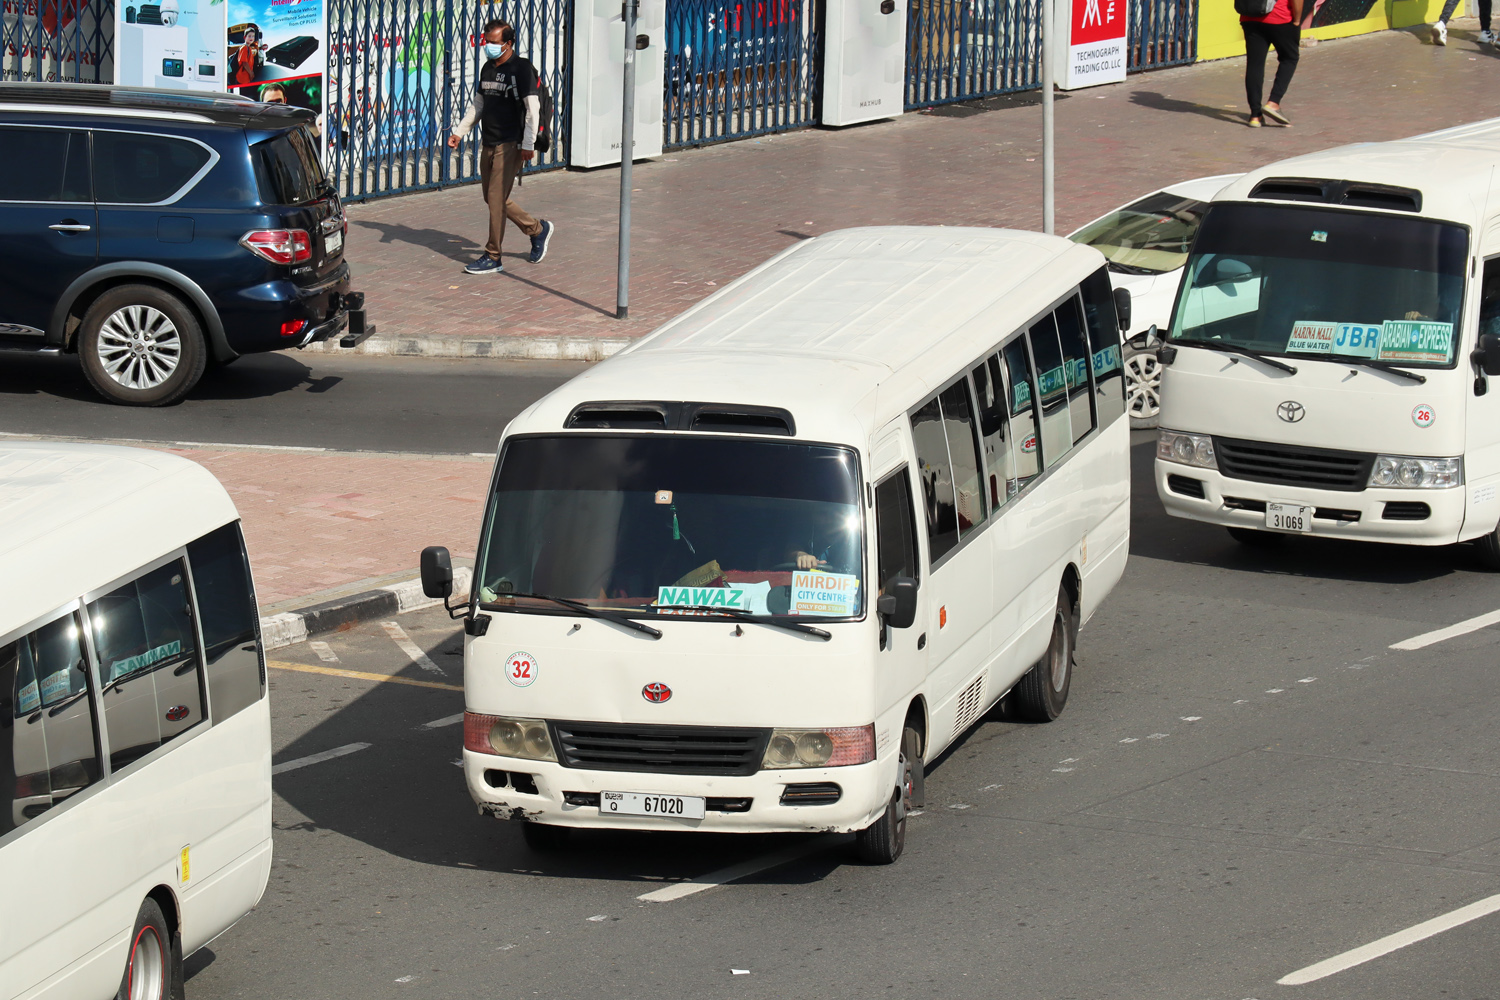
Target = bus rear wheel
(150,967)
(1042,693)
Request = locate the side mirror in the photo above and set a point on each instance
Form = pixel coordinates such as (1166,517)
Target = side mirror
(437,572)
(1227,270)
(1487,354)
(898,605)
(1146,341)
(1122,308)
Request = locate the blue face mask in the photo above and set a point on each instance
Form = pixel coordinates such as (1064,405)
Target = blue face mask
(493,51)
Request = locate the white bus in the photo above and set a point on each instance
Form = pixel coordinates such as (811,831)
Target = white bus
(1328,367)
(750,573)
(135,744)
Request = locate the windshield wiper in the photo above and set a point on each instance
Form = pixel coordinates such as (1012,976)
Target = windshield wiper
(1380,366)
(591,612)
(748,617)
(1115,265)
(1217,345)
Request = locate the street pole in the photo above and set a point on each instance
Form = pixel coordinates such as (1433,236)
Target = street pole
(628,12)
(1048,121)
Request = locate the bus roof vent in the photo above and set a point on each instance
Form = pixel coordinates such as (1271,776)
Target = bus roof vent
(741,419)
(1356,194)
(619,416)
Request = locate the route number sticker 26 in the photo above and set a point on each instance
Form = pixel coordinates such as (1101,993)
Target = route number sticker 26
(1423,416)
(520,669)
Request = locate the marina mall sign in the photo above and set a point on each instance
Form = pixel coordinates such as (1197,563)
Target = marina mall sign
(1096,43)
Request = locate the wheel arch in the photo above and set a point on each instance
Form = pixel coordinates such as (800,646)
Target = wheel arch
(916,718)
(67,314)
(1072,584)
(170,910)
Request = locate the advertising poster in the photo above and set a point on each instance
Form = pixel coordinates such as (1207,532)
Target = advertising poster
(384,95)
(170,43)
(1096,43)
(277,51)
(44,42)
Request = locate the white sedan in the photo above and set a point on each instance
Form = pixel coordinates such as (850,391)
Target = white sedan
(1147,244)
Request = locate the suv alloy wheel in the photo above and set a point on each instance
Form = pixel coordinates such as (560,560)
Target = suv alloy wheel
(141,346)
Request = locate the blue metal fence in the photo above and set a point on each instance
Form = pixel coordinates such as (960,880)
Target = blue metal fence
(1161,33)
(401,75)
(739,68)
(57,41)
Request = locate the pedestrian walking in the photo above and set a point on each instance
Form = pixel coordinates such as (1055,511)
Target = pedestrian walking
(1440,26)
(507,109)
(1269,24)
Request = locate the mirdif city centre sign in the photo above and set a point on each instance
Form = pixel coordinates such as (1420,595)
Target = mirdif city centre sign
(1096,43)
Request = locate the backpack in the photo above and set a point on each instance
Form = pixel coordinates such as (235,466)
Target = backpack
(1253,8)
(544,118)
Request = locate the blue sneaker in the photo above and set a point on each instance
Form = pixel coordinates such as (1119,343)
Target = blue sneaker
(539,243)
(485,264)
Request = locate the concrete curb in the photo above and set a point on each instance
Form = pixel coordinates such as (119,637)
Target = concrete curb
(292,627)
(544,348)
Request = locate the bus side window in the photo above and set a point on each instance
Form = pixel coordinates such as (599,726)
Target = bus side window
(1489,298)
(1076,360)
(228,614)
(994,431)
(1022,395)
(935,478)
(148,663)
(48,746)
(895,530)
(1052,383)
(963,451)
(1104,342)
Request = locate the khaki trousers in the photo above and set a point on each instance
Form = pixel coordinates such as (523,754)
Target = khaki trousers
(499,166)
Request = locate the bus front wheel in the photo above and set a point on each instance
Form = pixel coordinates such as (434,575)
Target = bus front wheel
(151,965)
(882,842)
(1489,550)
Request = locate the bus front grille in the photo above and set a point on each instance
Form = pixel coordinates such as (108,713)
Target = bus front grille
(610,746)
(1293,465)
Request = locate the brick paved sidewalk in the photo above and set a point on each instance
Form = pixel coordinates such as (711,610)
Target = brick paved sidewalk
(703,217)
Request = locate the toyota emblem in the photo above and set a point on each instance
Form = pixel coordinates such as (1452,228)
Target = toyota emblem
(177,713)
(656,692)
(1291,411)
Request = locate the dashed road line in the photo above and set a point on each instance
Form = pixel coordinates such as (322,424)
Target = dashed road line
(359,675)
(679,890)
(1391,942)
(1451,632)
(324,651)
(447,720)
(403,641)
(318,758)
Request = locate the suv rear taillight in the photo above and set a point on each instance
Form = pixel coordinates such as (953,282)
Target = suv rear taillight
(279,246)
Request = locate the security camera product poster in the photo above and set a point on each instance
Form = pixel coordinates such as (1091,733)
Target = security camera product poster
(278,51)
(177,44)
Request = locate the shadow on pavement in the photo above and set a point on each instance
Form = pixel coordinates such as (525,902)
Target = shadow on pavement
(1156,535)
(251,377)
(456,248)
(1161,102)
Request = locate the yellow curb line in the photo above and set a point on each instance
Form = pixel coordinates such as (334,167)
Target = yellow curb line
(360,675)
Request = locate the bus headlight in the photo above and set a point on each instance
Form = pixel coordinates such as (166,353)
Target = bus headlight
(1186,449)
(507,737)
(1404,473)
(819,747)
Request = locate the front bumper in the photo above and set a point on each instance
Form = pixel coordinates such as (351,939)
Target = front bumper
(1232,503)
(865,790)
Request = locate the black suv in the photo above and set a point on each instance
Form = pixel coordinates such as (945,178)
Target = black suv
(154,232)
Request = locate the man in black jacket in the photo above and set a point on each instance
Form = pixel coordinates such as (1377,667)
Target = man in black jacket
(506,108)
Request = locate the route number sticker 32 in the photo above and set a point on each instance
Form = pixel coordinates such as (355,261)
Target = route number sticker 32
(520,669)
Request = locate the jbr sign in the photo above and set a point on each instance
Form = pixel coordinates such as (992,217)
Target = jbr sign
(1096,43)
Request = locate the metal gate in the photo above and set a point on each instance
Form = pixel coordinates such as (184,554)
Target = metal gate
(1161,33)
(739,68)
(58,41)
(401,75)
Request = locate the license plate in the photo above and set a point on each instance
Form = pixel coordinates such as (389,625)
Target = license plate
(333,242)
(1288,517)
(650,804)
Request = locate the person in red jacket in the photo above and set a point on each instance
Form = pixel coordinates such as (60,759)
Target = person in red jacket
(1278,29)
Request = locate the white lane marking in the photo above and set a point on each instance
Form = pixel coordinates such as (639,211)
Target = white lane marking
(1462,628)
(1158,736)
(1307,680)
(324,651)
(400,638)
(599,918)
(739,972)
(1273,690)
(1392,942)
(1062,770)
(447,720)
(1190,718)
(318,758)
(1130,739)
(678,890)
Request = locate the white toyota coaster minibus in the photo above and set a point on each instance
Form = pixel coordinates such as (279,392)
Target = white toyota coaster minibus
(1329,365)
(135,740)
(751,572)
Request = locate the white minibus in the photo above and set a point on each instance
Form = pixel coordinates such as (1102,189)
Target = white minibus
(135,743)
(753,571)
(1328,366)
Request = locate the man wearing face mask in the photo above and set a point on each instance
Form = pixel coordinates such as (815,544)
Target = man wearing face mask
(506,107)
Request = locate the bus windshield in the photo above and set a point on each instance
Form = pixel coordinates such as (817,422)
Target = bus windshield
(1150,236)
(649,523)
(1313,282)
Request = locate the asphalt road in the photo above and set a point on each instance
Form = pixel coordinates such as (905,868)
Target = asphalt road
(291,398)
(1247,781)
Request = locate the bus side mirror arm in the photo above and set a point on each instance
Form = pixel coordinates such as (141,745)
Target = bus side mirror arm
(897,607)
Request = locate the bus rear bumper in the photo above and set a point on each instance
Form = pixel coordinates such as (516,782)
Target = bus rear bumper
(1371,515)
(545,792)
